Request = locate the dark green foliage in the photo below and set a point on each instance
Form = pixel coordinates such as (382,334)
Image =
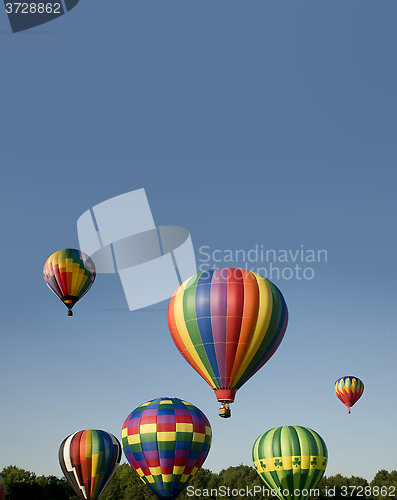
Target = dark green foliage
(386,483)
(342,488)
(24,485)
(126,485)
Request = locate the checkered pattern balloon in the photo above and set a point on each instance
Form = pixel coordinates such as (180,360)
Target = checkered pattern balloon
(166,441)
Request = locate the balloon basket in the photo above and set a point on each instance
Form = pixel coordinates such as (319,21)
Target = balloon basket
(70,313)
(224,411)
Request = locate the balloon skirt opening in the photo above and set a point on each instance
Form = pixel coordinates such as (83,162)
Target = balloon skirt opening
(69,301)
(225,394)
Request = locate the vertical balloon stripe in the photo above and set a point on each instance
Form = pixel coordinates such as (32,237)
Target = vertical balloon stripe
(76,460)
(98,453)
(319,449)
(53,286)
(219,301)
(204,333)
(272,339)
(61,279)
(101,455)
(112,456)
(259,361)
(235,310)
(248,324)
(302,444)
(87,470)
(191,323)
(262,324)
(180,334)
(77,281)
(65,462)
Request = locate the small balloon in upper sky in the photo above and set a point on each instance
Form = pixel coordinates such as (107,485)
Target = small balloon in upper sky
(69,273)
(349,390)
(227,323)
(89,459)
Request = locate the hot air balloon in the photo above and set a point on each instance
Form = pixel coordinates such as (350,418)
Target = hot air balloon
(89,459)
(69,274)
(166,441)
(290,460)
(227,323)
(349,390)
(2,489)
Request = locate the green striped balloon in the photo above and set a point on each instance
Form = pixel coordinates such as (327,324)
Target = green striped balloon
(290,460)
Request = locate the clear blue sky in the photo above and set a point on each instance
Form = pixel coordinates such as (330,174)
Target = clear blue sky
(249,123)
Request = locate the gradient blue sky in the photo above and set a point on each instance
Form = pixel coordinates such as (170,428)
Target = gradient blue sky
(247,122)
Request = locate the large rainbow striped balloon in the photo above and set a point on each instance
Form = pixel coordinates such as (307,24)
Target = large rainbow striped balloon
(227,323)
(349,390)
(166,441)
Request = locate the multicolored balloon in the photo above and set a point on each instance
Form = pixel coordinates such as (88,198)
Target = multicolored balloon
(227,323)
(290,460)
(2,489)
(89,459)
(69,273)
(349,390)
(166,441)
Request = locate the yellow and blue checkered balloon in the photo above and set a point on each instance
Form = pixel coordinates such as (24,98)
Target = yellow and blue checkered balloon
(166,441)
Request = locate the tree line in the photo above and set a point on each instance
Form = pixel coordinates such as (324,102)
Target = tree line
(234,483)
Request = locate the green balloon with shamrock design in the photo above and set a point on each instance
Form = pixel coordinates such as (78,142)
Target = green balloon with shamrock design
(290,460)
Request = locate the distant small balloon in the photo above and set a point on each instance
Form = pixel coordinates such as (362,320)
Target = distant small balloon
(349,390)
(89,459)
(166,441)
(69,273)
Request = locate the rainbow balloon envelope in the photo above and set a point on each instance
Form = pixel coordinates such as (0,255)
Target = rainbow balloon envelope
(166,441)
(89,459)
(69,274)
(227,324)
(349,390)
